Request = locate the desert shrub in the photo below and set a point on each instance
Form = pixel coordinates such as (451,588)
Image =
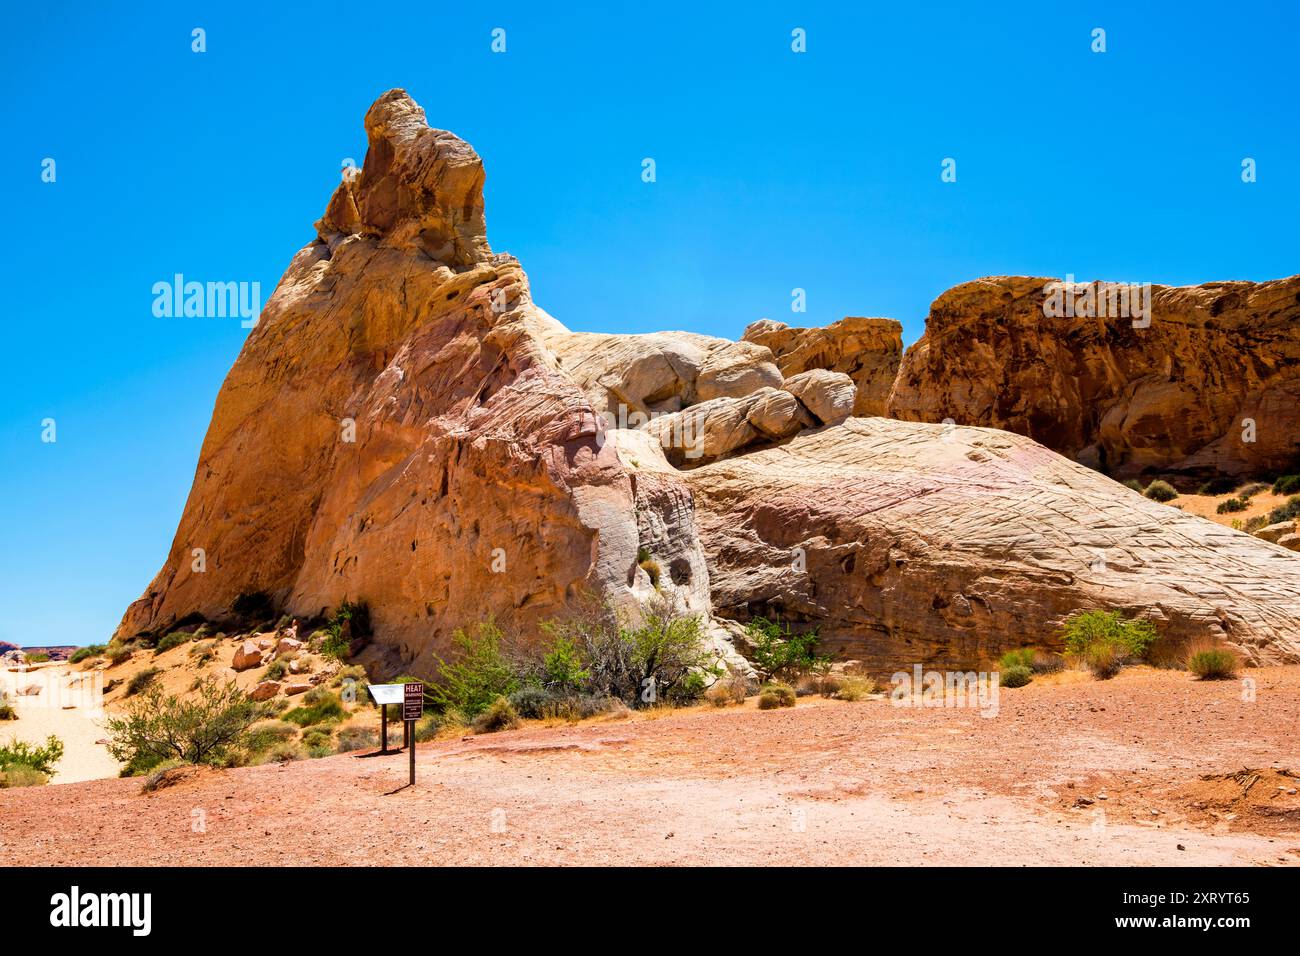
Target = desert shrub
(174,639)
(198,729)
(1160,491)
(142,680)
(854,688)
(357,738)
(350,620)
(203,653)
(1105,658)
(1212,663)
(778,652)
(20,753)
(1086,628)
(1017,675)
(1246,492)
(282,753)
(1217,486)
(7,711)
(318,741)
(479,674)
(267,733)
(118,654)
(82,653)
(1254,524)
(729,689)
(690,689)
(276,669)
(562,666)
(1046,663)
(1020,657)
(427,727)
(1286,511)
(255,606)
(531,700)
(358,673)
(1232,505)
(1134,485)
(317,709)
(498,715)
(22,776)
(1287,485)
(771,696)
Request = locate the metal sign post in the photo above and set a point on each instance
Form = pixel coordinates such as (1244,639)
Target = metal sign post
(412,708)
(385,694)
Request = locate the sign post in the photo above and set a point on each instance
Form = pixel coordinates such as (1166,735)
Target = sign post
(385,694)
(412,709)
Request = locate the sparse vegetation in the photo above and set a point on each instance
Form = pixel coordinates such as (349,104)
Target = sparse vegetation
(174,639)
(1212,663)
(83,653)
(497,716)
(1133,485)
(778,652)
(356,738)
(22,776)
(19,755)
(1104,659)
(479,675)
(1016,675)
(1285,512)
(118,654)
(774,695)
(319,706)
(855,688)
(1287,485)
(142,680)
(1105,641)
(7,711)
(198,729)
(1246,492)
(40,657)
(729,689)
(650,566)
(1232,505)
(1161,491)
(350,621)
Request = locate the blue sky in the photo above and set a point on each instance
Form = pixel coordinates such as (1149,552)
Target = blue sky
(775,170)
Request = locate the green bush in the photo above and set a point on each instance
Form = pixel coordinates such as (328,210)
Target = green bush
(1232,505)
(1017,675)
(19,753)
(1285,512)
(1161,491)
(81,653)
(174,639)
(1105,658)
(22,776)
(772,696)
(38,658)
(498,715)
(562,666)
(479,675)
(854,688)
(1134,485)
(265,734)
(778,652)
(357,738)
(317,709)
(198,729)
(350,620)
(1246,492)
(142,680)
(118,654)
(1087,628)
(1213,664)
(1287,485)
(1020,657)
(276,669)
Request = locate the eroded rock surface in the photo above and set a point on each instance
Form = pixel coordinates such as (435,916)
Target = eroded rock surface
(1210,387)
(405,427)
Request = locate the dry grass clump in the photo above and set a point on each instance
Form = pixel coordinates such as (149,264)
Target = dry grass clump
(772,696)
(1211,661)
(500,715)
(854,688)
(728,690)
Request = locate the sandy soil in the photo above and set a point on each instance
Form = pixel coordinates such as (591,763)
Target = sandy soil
(828,782)
(57,710)
(1206,506)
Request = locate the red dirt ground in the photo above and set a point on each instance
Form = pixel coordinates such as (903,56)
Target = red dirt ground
(828,782)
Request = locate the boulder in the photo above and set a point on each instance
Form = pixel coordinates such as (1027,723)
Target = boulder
(1275,532)
(828,395)
(296,688)
(265,690)
(1290,541)
(776,413)
(247,655)
(868,350)
(289,645)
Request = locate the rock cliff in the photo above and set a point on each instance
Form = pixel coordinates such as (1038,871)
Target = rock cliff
(405,427)
(1205,384)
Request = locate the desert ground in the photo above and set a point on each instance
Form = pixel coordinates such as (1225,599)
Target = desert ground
(71,717)
(1145,768)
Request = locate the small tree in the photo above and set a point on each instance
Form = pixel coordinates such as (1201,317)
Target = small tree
(778,652)
(478,676)
(203,728)
(19,753)
(1132,636)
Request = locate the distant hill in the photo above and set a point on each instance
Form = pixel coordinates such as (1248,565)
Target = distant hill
(57,652)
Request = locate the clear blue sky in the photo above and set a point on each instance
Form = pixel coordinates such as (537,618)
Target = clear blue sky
(776,170)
